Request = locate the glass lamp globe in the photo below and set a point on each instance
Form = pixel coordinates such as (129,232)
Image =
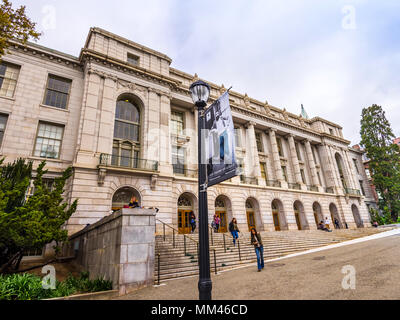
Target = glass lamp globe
(200,92)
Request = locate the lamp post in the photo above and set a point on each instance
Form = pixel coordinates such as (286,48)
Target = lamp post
(200,92)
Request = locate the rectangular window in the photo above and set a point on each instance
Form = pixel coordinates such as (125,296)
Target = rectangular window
(237,137)
(331,131)
(177,124)
(368,173)
(303,176)
(8,79)
(362,188)
(263,168)
(3,123)
(132,59)
(48,141)
(178,159)
(280,149)
(298,151)
(356,166)
(284,173)
(259,142)
(57,92)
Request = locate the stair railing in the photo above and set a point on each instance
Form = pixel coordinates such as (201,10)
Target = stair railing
(176,231)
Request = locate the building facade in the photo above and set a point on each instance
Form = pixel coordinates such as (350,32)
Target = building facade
(123,118)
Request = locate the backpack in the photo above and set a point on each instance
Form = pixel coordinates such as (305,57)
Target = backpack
(231,226)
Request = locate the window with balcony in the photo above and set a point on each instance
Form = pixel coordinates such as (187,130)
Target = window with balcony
(259,143)
(8,79)
(356,165)
(280,149)
(263,168)
(284,173)
(298,151)
(48,140)
(303,176)
(3,123)
(362,187)
(177,123)
(178,159)
(237,137)
(126,146)
(57,92)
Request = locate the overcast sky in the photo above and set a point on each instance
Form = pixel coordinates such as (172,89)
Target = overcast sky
(333,56)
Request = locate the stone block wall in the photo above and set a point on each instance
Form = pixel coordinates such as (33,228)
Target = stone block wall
(119,248)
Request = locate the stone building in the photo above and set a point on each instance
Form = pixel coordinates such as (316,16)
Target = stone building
(123,118)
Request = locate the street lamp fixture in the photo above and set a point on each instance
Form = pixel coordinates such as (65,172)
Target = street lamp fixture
(200,92)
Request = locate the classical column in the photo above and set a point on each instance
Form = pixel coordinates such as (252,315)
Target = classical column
(311,163)
(276,158)
(328,166)
(252,153)
(295,160)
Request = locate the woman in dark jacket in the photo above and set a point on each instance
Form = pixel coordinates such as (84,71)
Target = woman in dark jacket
(256,241)
(233,228)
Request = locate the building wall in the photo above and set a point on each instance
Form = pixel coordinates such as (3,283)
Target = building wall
(101,75)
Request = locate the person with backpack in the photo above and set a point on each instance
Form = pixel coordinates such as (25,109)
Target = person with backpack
(234,230)
(256,241)
(192,220)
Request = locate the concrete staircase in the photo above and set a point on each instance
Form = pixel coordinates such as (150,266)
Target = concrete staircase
(179,258)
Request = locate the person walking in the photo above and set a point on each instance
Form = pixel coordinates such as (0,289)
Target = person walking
(217,221)
(256,241)
(233,228)
(192,219)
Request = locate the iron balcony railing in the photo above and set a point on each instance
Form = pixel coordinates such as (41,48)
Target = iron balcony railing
(248,180)
(273,183)
(329,190)
(353,192)
(312,188)
(294,186)
(109,160)
(189,173)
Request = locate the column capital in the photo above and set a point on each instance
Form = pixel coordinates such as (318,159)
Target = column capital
(249,124)
(269,130)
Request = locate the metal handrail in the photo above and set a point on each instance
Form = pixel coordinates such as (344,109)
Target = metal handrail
(350,191)
(295,186)
(173,236)
(110,160)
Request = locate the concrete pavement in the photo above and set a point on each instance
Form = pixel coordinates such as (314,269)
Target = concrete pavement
(312,276)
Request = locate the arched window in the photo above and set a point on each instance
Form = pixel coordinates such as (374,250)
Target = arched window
(126,147)
(123,196)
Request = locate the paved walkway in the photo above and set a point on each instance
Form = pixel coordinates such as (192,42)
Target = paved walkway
(315,275)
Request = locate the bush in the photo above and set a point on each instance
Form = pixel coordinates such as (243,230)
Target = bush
(29,287)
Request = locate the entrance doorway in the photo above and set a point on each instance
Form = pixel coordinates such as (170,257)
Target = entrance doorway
(317,213)
(275,215)
(185,209)
(251,220)
(221,212)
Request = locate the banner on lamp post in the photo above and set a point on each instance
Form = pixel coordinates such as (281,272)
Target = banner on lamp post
(219,137)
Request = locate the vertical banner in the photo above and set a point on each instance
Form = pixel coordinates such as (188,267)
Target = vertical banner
(219,138)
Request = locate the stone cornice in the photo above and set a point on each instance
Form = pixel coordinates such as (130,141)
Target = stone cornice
(127,84)
(45,53)
(122,66)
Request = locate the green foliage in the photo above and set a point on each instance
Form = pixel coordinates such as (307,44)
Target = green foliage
(377,139)
(31,224)
(14,24)
(29,287)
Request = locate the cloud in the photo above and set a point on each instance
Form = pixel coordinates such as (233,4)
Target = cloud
(288,52)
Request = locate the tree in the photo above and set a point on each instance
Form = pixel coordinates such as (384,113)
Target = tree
(14,24)
(377,140)
(30,224)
